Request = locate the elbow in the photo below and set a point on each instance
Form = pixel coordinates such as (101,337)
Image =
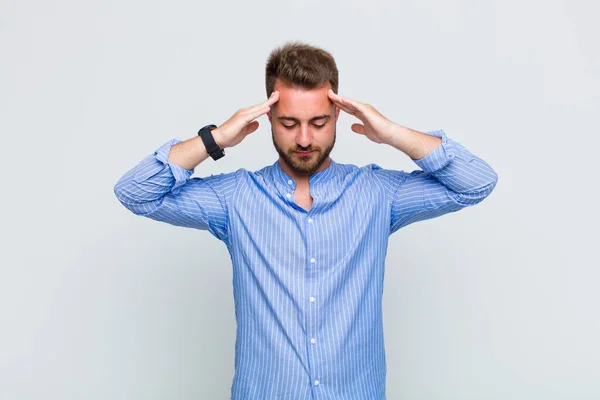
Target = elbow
(485,190)
(491,185)
(117,189)
(475,196)
(494,181)
(124,190)
(120,191)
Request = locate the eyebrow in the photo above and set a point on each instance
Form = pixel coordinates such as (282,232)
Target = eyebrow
(285,118)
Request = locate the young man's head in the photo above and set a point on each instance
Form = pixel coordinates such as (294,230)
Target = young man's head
(303,119)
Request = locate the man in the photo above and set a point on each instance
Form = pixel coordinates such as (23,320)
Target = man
(307,236)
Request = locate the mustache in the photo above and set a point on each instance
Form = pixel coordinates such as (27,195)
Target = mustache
(306,149)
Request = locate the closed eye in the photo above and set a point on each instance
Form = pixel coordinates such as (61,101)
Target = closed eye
(315,125)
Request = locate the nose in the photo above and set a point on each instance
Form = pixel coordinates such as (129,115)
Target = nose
(303,138)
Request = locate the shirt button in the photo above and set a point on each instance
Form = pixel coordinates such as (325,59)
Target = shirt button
(312,299)
(289,195)
(316,383)
(312,260)
(310,220)
(313,340)
(290,182)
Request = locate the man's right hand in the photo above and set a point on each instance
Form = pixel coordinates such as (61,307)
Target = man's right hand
(242,123)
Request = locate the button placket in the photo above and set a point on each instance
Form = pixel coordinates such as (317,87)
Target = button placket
(287,188)
(312,236)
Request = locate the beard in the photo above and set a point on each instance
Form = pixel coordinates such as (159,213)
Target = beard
(304,164)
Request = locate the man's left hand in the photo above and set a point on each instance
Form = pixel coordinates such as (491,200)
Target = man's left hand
(374,125)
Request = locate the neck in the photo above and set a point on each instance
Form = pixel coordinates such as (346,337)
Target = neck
(299,177)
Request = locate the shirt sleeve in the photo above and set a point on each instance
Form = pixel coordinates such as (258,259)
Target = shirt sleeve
(451,178)
(163,191)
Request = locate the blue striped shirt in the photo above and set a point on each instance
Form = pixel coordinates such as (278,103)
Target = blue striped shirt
(308,285)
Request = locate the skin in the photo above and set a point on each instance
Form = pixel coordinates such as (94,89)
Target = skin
(379,129)
(294,128)
(303,120)
(302,106)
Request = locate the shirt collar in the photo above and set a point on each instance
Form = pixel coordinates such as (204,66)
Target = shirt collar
(316,178)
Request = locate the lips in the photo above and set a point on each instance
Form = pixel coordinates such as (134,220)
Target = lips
(303,153)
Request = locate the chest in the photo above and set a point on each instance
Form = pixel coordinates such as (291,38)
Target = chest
(269,225)
(303,199)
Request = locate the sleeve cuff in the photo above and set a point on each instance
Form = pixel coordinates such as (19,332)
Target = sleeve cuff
(443,154)
(180,174)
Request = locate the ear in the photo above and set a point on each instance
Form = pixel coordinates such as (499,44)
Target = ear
(337,112)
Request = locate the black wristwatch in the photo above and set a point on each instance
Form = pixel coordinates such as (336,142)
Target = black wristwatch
(213,149)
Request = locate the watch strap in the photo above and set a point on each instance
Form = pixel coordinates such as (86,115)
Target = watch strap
(212,148)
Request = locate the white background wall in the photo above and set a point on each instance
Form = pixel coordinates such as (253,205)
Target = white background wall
(498,301)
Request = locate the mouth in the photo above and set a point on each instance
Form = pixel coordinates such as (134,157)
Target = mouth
(304,153)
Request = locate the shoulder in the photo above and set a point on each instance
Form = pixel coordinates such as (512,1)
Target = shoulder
(223,177)
(224,184)
(369,171)
(377,178)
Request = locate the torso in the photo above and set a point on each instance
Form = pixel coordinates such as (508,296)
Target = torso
(303,199)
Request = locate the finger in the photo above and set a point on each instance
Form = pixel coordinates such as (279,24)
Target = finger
(264,107)
(271,100)
(344,105)
(251,127)
(351,104)
(258,112)
(337,100)
(267,103)
(346,109)
(358,128)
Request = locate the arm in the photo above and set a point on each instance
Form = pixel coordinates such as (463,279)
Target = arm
(452,178)
(160,187)
(163,191)
(189,154)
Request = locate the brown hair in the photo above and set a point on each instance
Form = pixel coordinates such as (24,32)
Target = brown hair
(302,65)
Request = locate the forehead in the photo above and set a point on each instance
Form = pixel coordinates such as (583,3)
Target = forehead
(302,103)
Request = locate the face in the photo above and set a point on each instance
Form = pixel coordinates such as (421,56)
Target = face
(303,128)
